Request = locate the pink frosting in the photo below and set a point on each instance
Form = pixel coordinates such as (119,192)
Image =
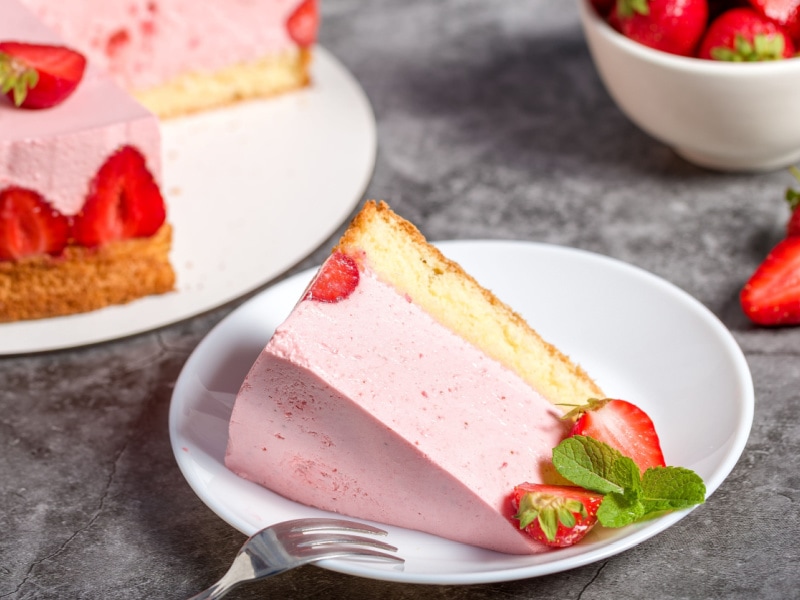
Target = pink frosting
(370,408)
(145,42)
(57,151)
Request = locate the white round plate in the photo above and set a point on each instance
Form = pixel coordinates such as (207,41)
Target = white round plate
(640,337)
(251,190)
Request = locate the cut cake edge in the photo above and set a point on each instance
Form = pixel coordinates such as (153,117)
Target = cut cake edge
(455,299)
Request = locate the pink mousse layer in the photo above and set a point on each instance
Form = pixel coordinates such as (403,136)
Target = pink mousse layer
(143,43)
(369,408)
(57,151)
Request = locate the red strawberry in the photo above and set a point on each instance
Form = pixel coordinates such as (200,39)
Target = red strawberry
(623,426)
(303,23)
(743,35)
(673,26)
(785,13)
(29,225)
(772,294)
(123,202)
(556,515)
(336,280)
(793,198)
(38,75)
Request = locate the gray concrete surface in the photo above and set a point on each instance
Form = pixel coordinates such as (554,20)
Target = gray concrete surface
(492,124)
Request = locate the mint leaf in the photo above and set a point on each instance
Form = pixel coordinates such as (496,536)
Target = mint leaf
(596,466)
(618,510)
(671,488)
(628,495)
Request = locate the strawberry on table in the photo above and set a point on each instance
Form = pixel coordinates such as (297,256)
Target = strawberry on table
(39,75)
(556,515)
(124,202)
(673,26)
(744,35)
(29,226)
(623,426)
(336,280)
(303,24)
(772,294)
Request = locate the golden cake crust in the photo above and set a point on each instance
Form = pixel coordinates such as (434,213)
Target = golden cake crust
(83,279)
(439,285)
(195,92)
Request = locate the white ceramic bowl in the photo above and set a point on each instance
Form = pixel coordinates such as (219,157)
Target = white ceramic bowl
(724,116)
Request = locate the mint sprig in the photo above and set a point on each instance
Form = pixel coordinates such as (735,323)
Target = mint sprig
(629,496)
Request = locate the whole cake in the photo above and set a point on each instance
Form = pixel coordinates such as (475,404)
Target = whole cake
(399,390)
(82,219)
(68,175)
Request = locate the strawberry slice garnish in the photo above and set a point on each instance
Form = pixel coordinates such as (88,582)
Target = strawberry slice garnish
(673,26)
(772,294)
(29,226)
(124,202)
(744,35)
(303,24)
(39,75)
(335,281)
(623,426)
(555,515)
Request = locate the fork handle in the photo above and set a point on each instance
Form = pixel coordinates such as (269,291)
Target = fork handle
(241,571)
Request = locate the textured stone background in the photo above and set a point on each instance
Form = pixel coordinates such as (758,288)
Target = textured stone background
(492,124)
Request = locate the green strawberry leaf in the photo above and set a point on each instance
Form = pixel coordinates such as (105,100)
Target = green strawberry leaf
(629,8)
(763,47)
(792,195)
(17,78)
(548,521)
(549,511)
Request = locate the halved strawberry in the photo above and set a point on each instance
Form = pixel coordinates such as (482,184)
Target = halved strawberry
(303,24)
(772,294)
(555,515)
(621,425)
(743,35)
(29,226)
(793,198)
(335,281)
(124,202)
(39,75)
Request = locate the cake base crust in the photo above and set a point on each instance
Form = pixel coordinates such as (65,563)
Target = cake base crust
(83,279)
(195,92)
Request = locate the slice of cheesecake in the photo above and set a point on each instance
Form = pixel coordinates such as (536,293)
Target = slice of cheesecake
(400,391)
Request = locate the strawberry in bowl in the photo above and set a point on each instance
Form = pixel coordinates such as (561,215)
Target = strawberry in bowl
(731,103)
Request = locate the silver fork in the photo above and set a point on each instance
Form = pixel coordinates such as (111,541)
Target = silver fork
(291,544)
